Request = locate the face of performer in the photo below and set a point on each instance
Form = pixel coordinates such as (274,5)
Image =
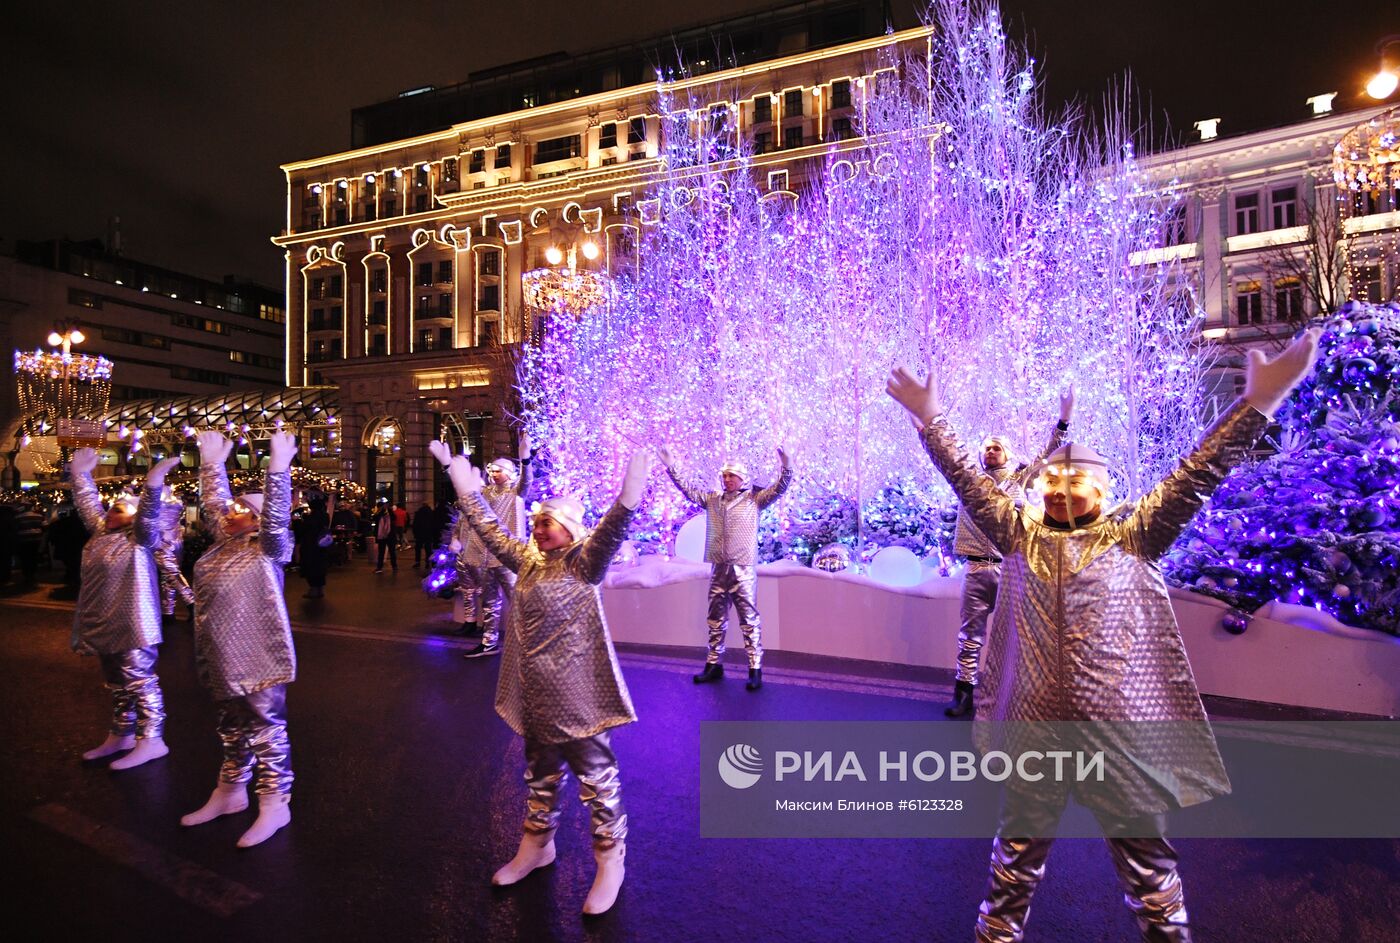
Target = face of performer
(731,482)
(549,534)
(120,515)
(993,455)
(498,475)
(240,519)
(1069,491)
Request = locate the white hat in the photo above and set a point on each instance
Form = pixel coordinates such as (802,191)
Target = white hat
(734,466)
(505,465)
(126,497)
(1081,457)
(254,500)
(567,511)
(1007,448)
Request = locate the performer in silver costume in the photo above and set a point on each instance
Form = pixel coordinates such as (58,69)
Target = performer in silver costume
(167,556)
(1085,632)
(492,581)
(560,684)
(731,547)
(243,639)
(118,611)
(983,573)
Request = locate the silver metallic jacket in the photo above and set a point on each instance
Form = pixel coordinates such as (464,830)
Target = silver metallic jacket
(559,678)
(119,602)
(509,507)
(731,520)
(968,541)
(1084,629)
(243,639)
(167,550)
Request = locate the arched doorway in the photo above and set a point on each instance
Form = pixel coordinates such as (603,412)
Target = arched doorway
(384,459)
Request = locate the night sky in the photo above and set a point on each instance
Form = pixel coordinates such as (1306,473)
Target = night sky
(175,116)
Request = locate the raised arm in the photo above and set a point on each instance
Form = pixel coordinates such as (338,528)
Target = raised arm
(692,494)
(1163,513)
(527,475)
(214,495)
(775,491)
(994,513)
(85,497)
(476,511)
(602,545)
(275,522)
(148,527)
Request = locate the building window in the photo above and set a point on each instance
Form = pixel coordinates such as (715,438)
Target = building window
(490,299)
(490,263)
(341,217)
(1246,214)
(378,345)
(502,156)
(1174,227)
(420,203)
(379,312)
(1368,284)
(792,103)
(762,109)
(792,137)
(272,313)
(1284,202)
(379,280)
(445,305)
(444,338)
(390,208)
(609,161)
(420,176)
(425,339)
(1288,300)
(1249,303)
(763,142)
(337,287)
(487,333)
(425,275)
(607,135)
(476,163)
(444,272)
(317,290)
(841,128)
(637,131)
(368,213)
(84,299)
(449,170)
(841,94)
(557,149)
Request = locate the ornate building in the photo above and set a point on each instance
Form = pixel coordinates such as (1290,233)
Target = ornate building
(412,262)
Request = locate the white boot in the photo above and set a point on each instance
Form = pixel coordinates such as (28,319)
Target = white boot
(147,749)
(273,813)
(113,744)
(536,851)
(608,881)
(226,799)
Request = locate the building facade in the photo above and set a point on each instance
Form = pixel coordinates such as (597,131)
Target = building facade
(168,334)
(405,259)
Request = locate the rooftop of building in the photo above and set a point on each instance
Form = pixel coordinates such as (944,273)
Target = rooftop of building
(788,29)
(90,258)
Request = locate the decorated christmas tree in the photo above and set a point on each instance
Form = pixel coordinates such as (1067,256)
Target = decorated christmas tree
(1317,523)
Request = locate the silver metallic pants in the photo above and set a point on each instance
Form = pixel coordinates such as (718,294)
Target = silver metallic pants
(169,590)
(547,765)
(253,729)
(1146,868)
(494,585)
(979,598)
(739,585)
(137,703)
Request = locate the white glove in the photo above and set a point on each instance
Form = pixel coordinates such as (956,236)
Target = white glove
(1067,403)
(920,399)
(634,484)
(466,478)
(784,459)
(213,448)
(1267,383)
(283,448)
(525,445)
(155,478)
(83,462)
(441,451)
(667,459)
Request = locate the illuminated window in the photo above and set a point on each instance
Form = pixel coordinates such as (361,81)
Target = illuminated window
(1288,300)
(1249,303)
(1368,284)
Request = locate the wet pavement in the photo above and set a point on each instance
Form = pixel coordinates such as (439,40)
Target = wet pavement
(409,795)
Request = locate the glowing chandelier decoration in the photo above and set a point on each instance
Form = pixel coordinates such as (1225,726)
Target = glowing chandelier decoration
(547,289)
(63,392)
(1367,158)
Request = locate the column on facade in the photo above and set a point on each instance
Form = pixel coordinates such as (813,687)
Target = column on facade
(1215,288)
(349,429)
(418,431)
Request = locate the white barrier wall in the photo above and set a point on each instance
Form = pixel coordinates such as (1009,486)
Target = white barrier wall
(1289,654)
